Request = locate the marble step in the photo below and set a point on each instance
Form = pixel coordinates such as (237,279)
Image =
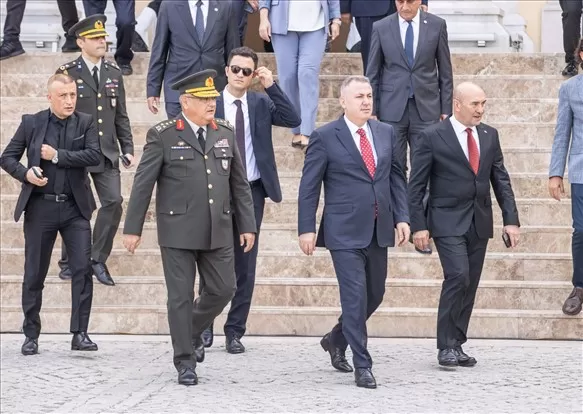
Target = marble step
(532,212)
(293,263)
(332,64)
(386,322)
(277,236)
(495,86)
(516,135)
(301,292)
(499,109)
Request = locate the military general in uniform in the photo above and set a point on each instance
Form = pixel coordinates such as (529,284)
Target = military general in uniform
(101,93)
(201,184)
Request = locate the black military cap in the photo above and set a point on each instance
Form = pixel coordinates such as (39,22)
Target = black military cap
(200,84)
(90,27)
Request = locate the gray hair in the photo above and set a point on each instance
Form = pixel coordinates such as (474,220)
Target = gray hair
(352,79)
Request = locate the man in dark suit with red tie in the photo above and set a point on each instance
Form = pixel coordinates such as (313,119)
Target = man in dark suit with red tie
(253,114)
(365,199)
(460,158)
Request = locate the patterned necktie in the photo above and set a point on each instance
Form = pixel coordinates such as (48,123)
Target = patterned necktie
(409,37)
(368,158)
(95,77)
(201,141)
(199,24)
(240,132)
(473,153)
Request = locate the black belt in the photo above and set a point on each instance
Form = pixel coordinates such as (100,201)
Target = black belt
(255,183)
(58,198)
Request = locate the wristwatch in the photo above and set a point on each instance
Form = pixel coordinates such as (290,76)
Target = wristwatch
(55,158)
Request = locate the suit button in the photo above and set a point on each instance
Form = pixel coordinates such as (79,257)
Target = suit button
(100,133)
(228,211)
(206,157)
(210,186)
(181,158)
(208,172)
(171,212)
(100,121)
(99,108)
(211,201)
(80,96)
(99,95)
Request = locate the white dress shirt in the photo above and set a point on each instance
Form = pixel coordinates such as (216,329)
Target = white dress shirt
(404,25)
(231,116)
(195,127)
(462,135)
(353,128)
(91,65)
(193,9)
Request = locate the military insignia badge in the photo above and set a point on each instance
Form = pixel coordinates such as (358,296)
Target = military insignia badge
(180,127)
(222,143)
(213,125)
(209,83)
(113,102)
(99,25)
(180,143)
(225,164)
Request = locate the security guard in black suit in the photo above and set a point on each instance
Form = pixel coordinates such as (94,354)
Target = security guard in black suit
(101,93)
(201,183)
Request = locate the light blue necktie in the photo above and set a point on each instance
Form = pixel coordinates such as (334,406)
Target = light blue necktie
(409,53)
(199,25)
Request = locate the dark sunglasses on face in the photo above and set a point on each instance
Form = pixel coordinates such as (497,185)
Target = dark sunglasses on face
(246,71)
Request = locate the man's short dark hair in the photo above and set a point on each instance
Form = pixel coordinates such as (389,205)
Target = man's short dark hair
(245,52)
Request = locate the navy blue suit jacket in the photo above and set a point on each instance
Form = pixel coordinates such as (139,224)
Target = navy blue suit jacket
(369,8)
(348,221)
(264,112)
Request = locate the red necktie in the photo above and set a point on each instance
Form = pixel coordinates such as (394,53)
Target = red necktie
(368,158)
(473,154)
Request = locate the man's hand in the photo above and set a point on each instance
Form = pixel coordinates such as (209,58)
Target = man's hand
(47,152)
(265,76)
(33,179)
(131,242)
(247,240)
(556,187)
(513,233)
(403,232)
(334,29)
(421,239)
(346,18)
(131,158)
(265,29)
(308,243)
(254,4)
(424,7)
(154,104)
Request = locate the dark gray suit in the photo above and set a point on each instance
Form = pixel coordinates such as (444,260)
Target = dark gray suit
(391,77)
(197,194)
(178,52)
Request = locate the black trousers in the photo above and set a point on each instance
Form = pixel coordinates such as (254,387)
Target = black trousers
(571,17)
(42,221)
(69,16)
(15,13)
(125,21)
(462,259)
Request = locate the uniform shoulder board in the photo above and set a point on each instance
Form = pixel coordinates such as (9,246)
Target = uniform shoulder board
(224,123)
(164,125)
(64,68)
(112,64)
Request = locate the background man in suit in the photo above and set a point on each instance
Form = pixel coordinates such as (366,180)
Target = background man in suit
(365,13)
(358,224)
(411,73)
(459,158)
(253,115)
(569,133)
(201,183)
(571,17)
(189,37)
(101,93)
(59,143)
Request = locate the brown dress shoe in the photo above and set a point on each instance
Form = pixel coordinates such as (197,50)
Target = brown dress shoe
(574,302)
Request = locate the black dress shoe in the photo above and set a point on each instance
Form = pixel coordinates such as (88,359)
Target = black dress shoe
(337,355)
(364,378)
(65,272)
(198,349)
(187,376)
(82,342)
(570,70)
(70,44)
(207,337)
(234,345)
(463,359)
(126,69)
(29,347)
(447,358)
(101,273)
(10,49)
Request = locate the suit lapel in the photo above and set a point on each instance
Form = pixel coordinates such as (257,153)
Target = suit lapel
(188,135)
(485,143)
(379,144)
(394,22)
(213,13)
(183,10)
(103,72)
(251,102)
(86,75)
(40,131)
(345,138)
(449,136)
(211,138)
(423,32)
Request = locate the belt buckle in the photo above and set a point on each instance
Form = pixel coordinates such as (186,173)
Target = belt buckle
(61,198)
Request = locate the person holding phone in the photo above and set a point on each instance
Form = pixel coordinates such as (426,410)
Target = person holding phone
(460,158)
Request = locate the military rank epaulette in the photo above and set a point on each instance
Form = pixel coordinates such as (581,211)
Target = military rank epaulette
(112,64)
(224,123)
(164,125)
(65,68)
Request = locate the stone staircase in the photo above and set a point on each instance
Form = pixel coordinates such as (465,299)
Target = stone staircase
(521,292)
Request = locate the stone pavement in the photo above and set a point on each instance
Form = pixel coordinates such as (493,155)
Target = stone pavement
(134,374)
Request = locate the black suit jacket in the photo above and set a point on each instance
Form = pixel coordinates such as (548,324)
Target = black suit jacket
(265,111)
(82,150)
(457,195)
(177,51)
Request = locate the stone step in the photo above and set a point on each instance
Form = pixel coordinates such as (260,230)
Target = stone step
(386,322)
(516,135)
(302,292)
(532,212)
(293,263)
(277,237)
(495,86)
(499,109)
(332,64)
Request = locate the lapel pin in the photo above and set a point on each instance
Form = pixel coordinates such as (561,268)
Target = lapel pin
(425,21)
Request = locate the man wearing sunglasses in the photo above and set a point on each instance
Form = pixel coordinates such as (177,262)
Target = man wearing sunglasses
(253,115)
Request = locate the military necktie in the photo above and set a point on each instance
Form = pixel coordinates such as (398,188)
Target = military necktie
(201,140)
(95,77)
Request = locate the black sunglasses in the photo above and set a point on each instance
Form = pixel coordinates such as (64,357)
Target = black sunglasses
(246,71)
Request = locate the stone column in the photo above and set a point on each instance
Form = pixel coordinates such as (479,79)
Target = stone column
(515,24)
